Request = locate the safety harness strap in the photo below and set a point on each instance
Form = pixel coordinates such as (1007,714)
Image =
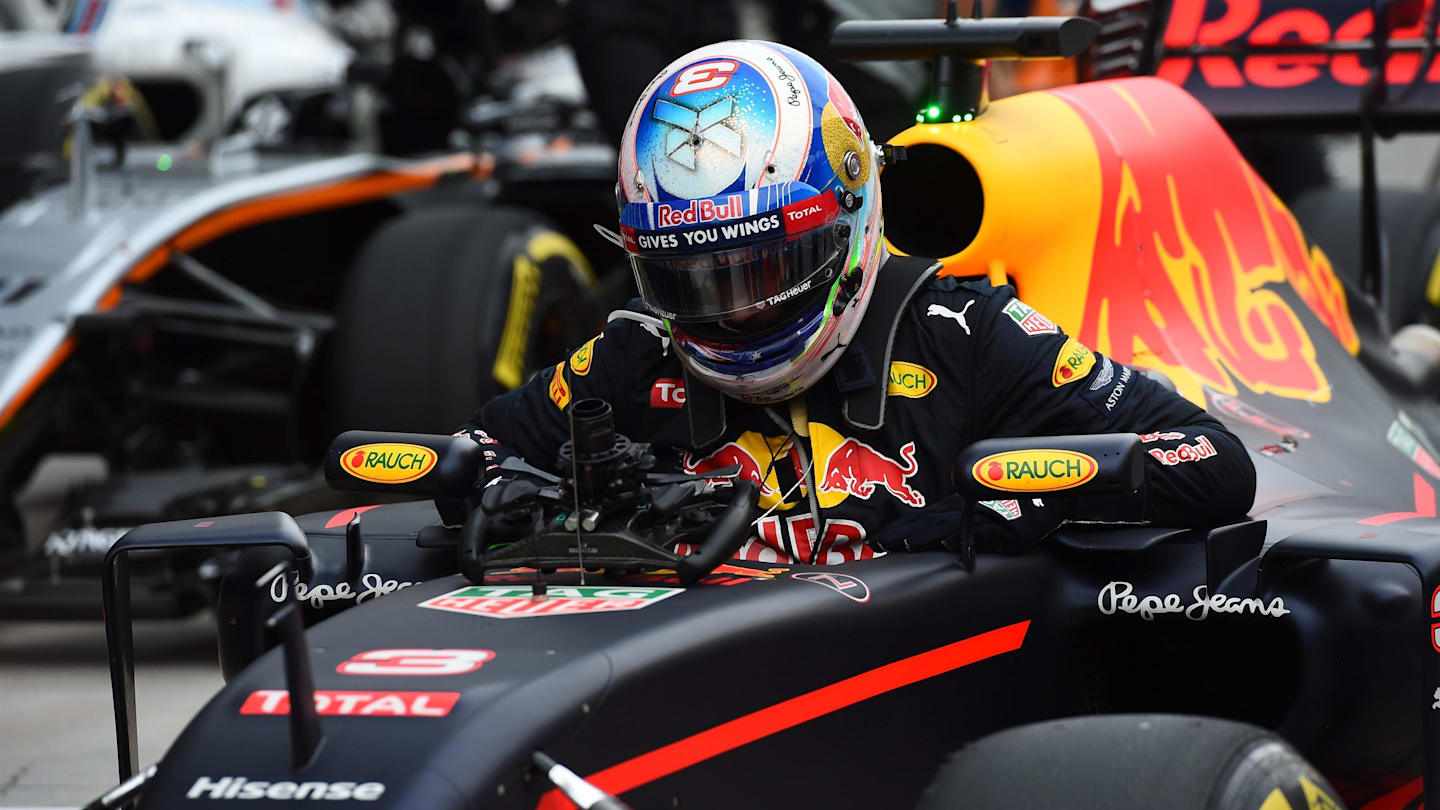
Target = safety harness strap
(899,279)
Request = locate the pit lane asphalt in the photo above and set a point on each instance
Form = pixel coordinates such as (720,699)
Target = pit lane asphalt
(57,730)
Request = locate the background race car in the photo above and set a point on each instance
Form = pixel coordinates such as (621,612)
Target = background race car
(230,229)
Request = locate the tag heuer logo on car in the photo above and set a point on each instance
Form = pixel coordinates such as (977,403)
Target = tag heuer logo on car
(1034,470)
(388,462)
(1028,319)
(510,602)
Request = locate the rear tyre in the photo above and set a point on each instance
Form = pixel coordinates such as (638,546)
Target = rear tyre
(447,307)
(1130,761)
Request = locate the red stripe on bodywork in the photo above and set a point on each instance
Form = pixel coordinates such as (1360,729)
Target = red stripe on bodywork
(344,516)
(1398,799)
(748,728)
(1424,506)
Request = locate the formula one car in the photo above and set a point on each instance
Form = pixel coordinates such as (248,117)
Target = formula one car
(579,657)
(212,253)
(1279,77)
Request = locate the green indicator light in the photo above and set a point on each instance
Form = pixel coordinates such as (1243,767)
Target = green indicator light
(163,163)
(954,119)
(933,112)
(969,117)
(920,118)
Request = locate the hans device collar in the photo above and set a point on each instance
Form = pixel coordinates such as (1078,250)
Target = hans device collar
(855,375)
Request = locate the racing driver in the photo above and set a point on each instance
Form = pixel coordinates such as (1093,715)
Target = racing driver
(775,332)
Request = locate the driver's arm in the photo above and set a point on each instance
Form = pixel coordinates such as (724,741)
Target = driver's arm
(531,421)
(1049,384)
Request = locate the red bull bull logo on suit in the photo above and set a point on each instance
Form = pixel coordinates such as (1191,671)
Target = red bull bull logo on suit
(856,468)
(844,467)
(757,457)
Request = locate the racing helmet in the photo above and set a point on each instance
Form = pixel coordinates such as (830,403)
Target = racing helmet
(749,200)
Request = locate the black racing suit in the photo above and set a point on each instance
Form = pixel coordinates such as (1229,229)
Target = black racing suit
(969,362)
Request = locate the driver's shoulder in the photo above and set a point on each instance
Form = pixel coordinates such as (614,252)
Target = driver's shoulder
(635,332)
(638,342)
(943,289)
(971,301)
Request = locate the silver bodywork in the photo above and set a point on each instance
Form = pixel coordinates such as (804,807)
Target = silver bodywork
(56,264)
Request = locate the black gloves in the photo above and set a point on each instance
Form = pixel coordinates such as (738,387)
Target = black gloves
(504,480)
(496,491)
(1009,526)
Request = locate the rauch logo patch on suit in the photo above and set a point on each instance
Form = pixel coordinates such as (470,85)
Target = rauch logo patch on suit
(1072,363)
(910,380)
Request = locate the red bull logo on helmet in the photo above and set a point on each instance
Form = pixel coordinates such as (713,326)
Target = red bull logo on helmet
(697,211)
(1034,470)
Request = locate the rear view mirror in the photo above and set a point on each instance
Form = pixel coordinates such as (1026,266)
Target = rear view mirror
(1095,464)
(1002,469)
(403,463)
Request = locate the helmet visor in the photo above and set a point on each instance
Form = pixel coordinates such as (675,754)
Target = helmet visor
(740,282)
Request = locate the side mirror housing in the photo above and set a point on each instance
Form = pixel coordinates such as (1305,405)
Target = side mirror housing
(1093,464)
(403,463)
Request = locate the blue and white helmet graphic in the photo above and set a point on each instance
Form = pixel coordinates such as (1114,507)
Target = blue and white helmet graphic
(750,208)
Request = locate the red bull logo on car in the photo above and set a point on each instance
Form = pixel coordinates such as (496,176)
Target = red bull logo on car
(1034,470)
(1269,23)
(388,462)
